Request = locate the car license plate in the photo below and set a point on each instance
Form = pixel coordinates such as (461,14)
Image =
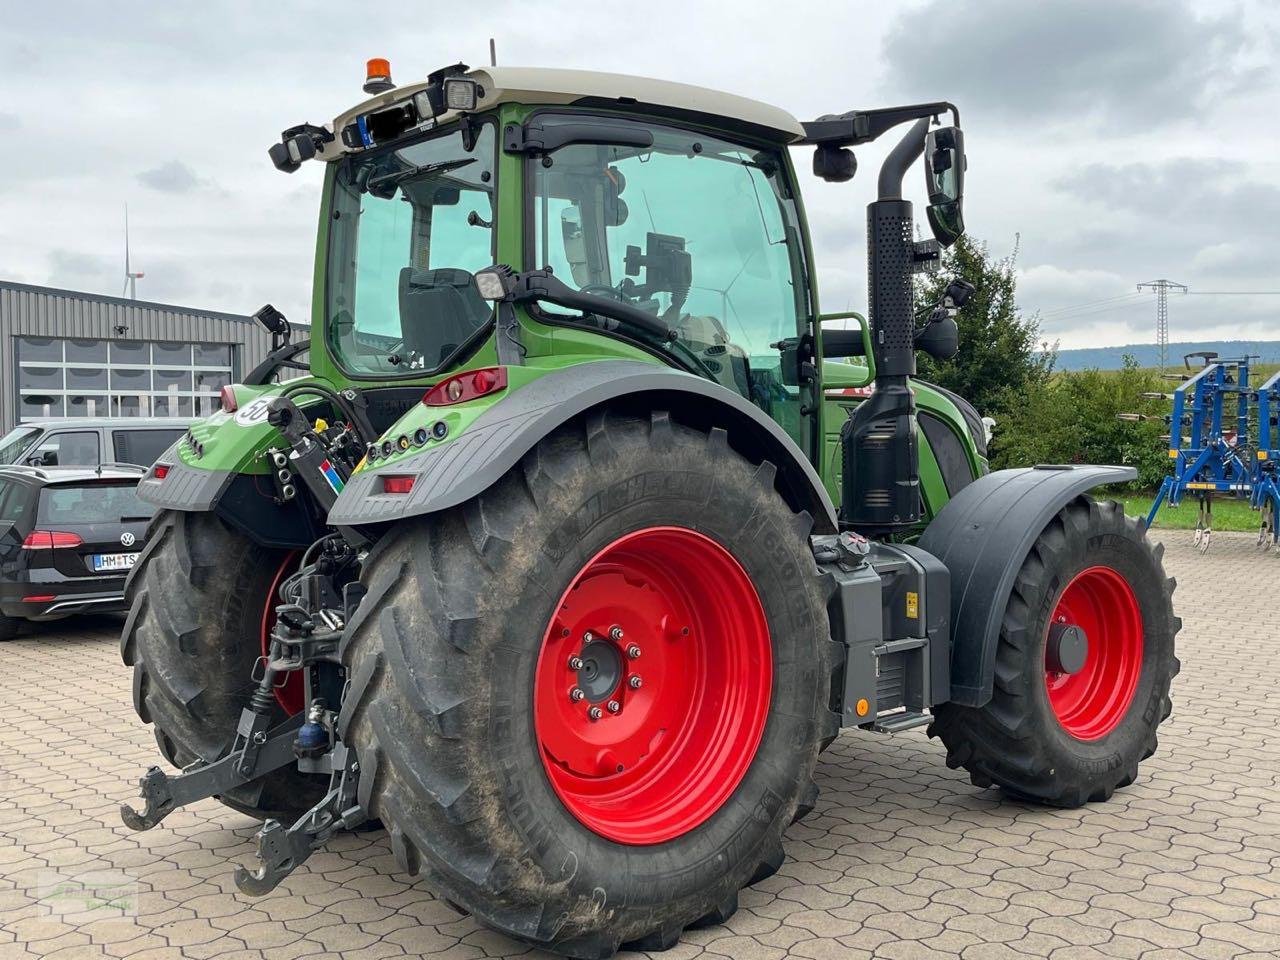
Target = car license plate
(114,561)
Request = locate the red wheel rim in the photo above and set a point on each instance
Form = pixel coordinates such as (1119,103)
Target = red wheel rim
(1090,703)
(672,636)
(291,693)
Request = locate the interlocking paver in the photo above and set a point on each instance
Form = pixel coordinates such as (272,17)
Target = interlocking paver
(901,859)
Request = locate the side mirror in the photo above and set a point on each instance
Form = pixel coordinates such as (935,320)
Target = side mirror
(944,166)
(940,339)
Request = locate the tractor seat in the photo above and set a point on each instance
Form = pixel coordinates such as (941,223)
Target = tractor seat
(439,310)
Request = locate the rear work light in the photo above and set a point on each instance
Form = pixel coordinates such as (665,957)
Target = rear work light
(462,387)
(50,540)
(397,483)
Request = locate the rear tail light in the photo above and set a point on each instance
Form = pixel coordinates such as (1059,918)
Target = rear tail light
(462,387)
(228,397)
(50,540)
(160,471)
(39,598)
(396,483)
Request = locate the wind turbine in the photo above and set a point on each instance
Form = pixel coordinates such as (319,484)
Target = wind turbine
(130,277)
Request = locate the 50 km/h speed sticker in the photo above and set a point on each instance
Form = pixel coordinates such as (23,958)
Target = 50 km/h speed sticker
(252,413)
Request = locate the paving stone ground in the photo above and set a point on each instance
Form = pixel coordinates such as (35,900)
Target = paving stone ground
(903,858)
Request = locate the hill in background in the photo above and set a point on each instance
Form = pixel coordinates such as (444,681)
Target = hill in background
(1147,355)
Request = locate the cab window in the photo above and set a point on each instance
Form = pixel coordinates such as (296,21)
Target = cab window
(409,228)
(699,231)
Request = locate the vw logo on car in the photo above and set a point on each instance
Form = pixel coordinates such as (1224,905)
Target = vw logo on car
(127,539)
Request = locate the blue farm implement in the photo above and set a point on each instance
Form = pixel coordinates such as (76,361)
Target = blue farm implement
(1223,441)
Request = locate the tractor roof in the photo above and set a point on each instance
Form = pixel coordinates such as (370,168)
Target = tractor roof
(538,85)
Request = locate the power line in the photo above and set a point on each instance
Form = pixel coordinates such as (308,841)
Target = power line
(1072,307)
(1234,293)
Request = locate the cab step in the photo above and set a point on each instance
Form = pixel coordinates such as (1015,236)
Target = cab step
(897,722)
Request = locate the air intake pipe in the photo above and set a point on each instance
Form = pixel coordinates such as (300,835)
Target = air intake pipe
(881,490)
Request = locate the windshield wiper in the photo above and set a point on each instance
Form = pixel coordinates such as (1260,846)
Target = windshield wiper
(426,169)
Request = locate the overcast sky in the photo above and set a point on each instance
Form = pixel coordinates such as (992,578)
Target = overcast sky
(1111,141)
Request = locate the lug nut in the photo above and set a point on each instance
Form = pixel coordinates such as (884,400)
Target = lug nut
(614,706)
(575,694)
(595,713)
(635,683)
(615,632)
(588,637)
(575,663)
(633,652)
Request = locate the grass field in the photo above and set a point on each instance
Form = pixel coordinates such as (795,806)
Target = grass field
(1227,514)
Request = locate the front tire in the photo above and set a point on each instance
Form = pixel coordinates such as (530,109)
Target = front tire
(1069,720)
(487,768)
(200,599)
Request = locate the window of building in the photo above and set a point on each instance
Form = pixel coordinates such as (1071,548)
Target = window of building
(100,378)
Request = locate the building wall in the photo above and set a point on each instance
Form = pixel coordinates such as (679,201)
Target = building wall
(30,311)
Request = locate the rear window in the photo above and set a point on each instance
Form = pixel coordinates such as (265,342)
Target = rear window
(143,447)
(92,503)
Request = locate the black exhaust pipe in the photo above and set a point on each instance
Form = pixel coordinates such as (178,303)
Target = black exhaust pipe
(881,490)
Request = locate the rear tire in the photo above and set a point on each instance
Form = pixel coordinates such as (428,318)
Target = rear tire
(196,599)
(1065,738)
(8,628)
(448,657)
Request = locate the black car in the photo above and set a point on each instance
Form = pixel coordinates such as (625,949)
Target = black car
(68,538)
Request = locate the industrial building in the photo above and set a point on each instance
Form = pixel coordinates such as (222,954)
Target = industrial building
(64,353)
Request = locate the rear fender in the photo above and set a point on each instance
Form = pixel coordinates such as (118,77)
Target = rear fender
(982,535)
(449,473)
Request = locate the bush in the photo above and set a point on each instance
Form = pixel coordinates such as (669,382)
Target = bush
(1071,418)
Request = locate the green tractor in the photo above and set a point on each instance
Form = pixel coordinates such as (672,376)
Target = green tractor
(585,531)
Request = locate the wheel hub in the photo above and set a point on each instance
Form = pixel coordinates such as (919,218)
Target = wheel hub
(601,672)
(1067,650)
(652,686)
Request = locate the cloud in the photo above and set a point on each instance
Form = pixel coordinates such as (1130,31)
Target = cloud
(1142,62)
(173,177)
(9,121)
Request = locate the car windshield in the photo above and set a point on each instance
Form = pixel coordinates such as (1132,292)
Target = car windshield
(15,442)
(409,228)
(93,503)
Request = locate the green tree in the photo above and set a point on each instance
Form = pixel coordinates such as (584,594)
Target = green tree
(1001,358)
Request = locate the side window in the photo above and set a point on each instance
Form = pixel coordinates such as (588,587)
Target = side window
(77,448)
(699,231)
(14,498)
(142,447)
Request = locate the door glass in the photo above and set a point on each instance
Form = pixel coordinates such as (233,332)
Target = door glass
(696,230)
(76,449)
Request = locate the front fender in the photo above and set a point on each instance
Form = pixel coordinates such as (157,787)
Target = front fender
(449,473)
(982,536)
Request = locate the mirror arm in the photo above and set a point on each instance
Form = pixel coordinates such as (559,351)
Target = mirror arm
(900,158)
(536,285)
